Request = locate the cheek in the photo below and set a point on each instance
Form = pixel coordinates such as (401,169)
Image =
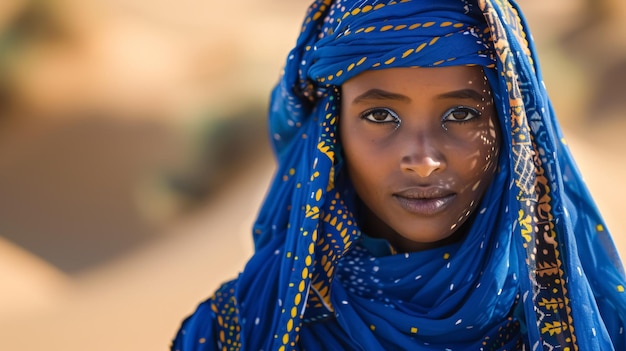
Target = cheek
(484,144)
(476,159)
(489,146)
(358,144)
(491,141)
(354,149)
(359,156)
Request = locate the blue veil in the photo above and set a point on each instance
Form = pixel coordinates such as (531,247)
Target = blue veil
(537,270)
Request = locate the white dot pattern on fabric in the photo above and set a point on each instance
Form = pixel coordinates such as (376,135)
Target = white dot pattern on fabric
(363,276)
(353,275)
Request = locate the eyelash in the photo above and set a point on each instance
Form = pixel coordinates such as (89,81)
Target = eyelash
(447,116)
(464,109)
(395,118)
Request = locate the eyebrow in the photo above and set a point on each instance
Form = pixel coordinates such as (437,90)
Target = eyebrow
(463,94)
(378,94)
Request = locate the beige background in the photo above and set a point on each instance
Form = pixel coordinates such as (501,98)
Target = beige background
(104,100)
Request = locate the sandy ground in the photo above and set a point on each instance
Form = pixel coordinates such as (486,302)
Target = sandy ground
(136,300)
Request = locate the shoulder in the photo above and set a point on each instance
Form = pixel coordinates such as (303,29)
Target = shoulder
(199,331)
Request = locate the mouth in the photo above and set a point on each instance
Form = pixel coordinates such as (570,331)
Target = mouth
(424,202)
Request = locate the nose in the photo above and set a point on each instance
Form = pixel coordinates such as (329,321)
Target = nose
(422,156)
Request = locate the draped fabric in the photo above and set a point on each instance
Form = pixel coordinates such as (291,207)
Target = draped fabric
(537,269)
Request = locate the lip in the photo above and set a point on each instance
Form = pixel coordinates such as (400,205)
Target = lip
(424,201)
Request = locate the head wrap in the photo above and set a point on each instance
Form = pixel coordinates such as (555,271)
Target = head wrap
(537,267)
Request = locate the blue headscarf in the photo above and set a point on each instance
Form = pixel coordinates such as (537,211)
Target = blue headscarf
(537,267)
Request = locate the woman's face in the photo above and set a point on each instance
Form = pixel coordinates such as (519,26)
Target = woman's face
(421,147)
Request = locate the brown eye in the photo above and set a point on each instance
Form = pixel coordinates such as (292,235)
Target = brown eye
(460,114)
(380,115)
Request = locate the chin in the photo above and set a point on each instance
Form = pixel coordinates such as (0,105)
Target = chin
(419,241)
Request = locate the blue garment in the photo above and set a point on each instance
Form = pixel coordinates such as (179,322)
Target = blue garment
(537,269)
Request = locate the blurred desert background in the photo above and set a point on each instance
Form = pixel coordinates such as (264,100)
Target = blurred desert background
(133,154)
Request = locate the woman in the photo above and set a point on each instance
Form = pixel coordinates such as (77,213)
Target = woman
(424,197)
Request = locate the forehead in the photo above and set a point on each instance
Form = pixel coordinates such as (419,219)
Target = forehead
(395,79)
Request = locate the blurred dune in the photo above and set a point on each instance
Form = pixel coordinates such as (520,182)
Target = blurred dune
(30,284)
(133,156)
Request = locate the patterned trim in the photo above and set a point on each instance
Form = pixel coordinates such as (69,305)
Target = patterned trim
(535,218)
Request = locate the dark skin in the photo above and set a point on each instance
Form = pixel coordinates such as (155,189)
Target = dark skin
(421,148)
